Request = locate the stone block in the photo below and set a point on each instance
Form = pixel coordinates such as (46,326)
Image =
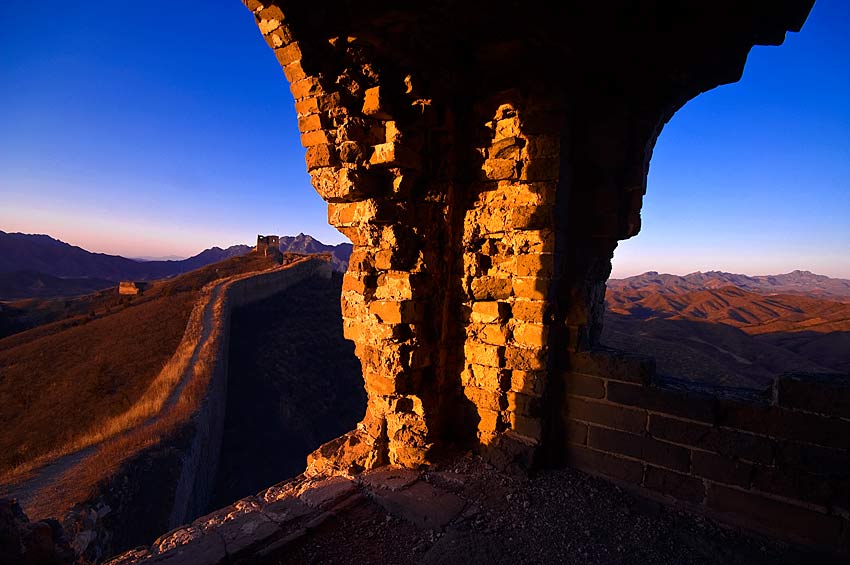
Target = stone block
(726,442)
(294,72)
(541,169)
(494,334)
(394,312)
(532,288)
(306,88)
(525,359)
(577,384)
(527,426)
(609,415)
(640,447)
(677,485)
(535,265)
(610,364)
(529,310)
(320,156)
(317,137)
(394,155)
(523,404)
(288,54)
(530,335)
(692,405)
(489,311)
(499,169)
(485,399)
(821,394)
(490,288)
(773,516)
(784,424)
(528,382)
(374,105)
(722,469)
(310,122)
(487,355)
(489,378)
(597,462)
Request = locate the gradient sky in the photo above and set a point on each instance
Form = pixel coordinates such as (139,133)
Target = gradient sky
(154,128)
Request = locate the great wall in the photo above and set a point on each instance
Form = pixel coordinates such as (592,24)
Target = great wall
(485,159)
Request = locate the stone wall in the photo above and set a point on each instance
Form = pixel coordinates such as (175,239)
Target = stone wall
(484,158)
(200,461)
(779,463)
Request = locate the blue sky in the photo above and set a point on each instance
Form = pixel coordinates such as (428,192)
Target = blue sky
(152,129)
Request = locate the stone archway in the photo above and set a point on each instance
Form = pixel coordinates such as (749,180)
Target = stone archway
(484,158)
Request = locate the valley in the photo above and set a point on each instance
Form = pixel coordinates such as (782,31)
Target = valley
(703,327)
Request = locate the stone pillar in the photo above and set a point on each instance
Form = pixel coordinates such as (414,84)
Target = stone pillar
(484,189)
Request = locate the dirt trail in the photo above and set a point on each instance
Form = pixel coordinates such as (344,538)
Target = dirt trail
(50,475)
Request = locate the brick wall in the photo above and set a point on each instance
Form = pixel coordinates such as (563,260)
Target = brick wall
(777,462)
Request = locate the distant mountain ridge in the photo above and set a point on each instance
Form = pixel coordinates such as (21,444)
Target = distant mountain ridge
(731,329)
(39,265)
(795,282)
(301,243)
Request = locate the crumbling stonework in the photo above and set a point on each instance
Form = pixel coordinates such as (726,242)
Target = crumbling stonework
(484,159)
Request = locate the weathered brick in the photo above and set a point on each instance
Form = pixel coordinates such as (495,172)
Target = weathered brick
(526,426)
(822,394)
(306,88)
(288,54)
(721,469)
(489,311)
(815,459)
(490,288)
(374,104)
(534,265)
(606,415)
(392,312)
(779,518)
(530,287)
(318,156)
(783,423)
(606,464)
(529,310)
(680,403)
(794,484)
(523,404)
(576,433)
(525,359)
(527,382)
(577,384)
(615,365)
(732,444)
(677,485)
(639,447)
(532,335)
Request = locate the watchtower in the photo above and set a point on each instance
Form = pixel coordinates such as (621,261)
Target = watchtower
(268,244)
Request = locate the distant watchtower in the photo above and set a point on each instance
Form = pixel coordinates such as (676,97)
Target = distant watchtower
(268,245)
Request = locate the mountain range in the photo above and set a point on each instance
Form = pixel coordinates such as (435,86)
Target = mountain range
(730,329)
(42,266)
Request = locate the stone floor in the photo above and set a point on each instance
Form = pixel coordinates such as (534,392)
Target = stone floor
(465,513)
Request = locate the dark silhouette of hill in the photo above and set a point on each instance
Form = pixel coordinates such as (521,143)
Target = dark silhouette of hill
(44,254)
(705,327)
(31,284)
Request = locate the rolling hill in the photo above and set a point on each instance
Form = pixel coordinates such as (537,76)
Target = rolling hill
(729,329)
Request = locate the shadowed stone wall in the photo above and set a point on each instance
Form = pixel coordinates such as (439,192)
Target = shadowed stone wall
(484,158)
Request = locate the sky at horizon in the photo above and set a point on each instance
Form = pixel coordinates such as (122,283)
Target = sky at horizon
(152,140)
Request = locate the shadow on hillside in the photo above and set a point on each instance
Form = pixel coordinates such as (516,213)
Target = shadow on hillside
(294,383)
(721,355)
